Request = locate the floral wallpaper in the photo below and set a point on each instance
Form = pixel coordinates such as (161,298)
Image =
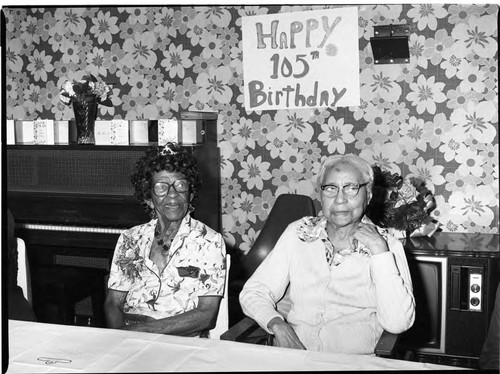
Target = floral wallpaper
(436,117)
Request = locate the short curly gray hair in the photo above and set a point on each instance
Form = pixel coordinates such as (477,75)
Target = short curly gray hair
(355,161)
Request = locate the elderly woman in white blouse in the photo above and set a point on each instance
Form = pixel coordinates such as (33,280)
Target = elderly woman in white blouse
(348,279)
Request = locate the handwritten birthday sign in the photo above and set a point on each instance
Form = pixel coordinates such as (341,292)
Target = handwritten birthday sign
(301,59)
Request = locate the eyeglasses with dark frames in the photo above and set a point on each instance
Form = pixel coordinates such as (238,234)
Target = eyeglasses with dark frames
(161,189)
(349,190)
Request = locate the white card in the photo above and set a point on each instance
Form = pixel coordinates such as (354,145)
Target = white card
(190,129)
(102,132)
(139,132)
(119,132)
(43,131)
(11,132)
(24,132)
(61,132)
(168,131)
(114,132)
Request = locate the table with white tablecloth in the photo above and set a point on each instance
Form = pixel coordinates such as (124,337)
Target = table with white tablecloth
(40,347)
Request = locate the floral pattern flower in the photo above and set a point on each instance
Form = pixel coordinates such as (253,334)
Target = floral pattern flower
(336,134)
(254,172)
(176,61)
(425,94)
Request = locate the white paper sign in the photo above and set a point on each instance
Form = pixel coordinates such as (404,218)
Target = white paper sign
(301,59)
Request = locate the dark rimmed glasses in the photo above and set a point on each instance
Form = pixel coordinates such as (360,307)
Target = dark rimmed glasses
(350,190)
(161,189)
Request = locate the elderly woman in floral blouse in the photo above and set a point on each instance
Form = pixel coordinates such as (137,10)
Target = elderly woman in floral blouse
(348,279)
(167,275)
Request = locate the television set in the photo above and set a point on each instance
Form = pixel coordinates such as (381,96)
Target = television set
(455,278)
(429,279)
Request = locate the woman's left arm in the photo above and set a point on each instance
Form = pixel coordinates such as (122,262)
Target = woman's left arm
(391,277)
(393,287)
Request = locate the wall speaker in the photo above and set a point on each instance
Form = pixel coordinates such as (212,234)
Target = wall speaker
(390,44)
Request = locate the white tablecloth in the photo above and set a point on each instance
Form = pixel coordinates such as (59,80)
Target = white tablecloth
(39,347)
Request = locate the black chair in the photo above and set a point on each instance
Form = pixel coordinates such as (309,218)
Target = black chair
(287,208)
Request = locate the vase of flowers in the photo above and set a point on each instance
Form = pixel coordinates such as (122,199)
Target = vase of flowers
(402,205)
(85,95)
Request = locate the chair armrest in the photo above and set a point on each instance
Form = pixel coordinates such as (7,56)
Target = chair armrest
(247,331)
(240,329)
(386,346)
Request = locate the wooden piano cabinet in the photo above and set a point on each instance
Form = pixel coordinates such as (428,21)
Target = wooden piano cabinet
(455,277)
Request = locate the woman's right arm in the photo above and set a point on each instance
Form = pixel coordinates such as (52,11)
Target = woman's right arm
(113,308)
(268,283)
(118,284)
(266,286)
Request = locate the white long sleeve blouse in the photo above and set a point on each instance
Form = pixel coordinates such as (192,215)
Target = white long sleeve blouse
(339,308)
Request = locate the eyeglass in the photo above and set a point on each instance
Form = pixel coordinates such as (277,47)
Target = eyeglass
(161,189)
(350,190)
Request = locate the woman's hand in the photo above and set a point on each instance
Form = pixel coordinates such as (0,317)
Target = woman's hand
(284,335)
(368,235)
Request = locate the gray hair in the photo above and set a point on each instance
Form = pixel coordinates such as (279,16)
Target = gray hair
(356,162)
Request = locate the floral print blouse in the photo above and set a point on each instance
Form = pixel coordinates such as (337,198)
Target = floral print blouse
(314,228)
(196,267)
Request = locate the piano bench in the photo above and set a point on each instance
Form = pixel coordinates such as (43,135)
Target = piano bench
(63,286)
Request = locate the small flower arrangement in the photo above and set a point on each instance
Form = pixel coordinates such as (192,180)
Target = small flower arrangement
(89,88)
(401,204)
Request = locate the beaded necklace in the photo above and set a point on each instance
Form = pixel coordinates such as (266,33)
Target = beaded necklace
(163,244)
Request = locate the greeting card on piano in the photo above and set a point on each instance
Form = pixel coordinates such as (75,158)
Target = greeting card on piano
(61,132)
(168,131)
(114,132)
(25,133)
(43,130)
(139,132)
(11,132)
